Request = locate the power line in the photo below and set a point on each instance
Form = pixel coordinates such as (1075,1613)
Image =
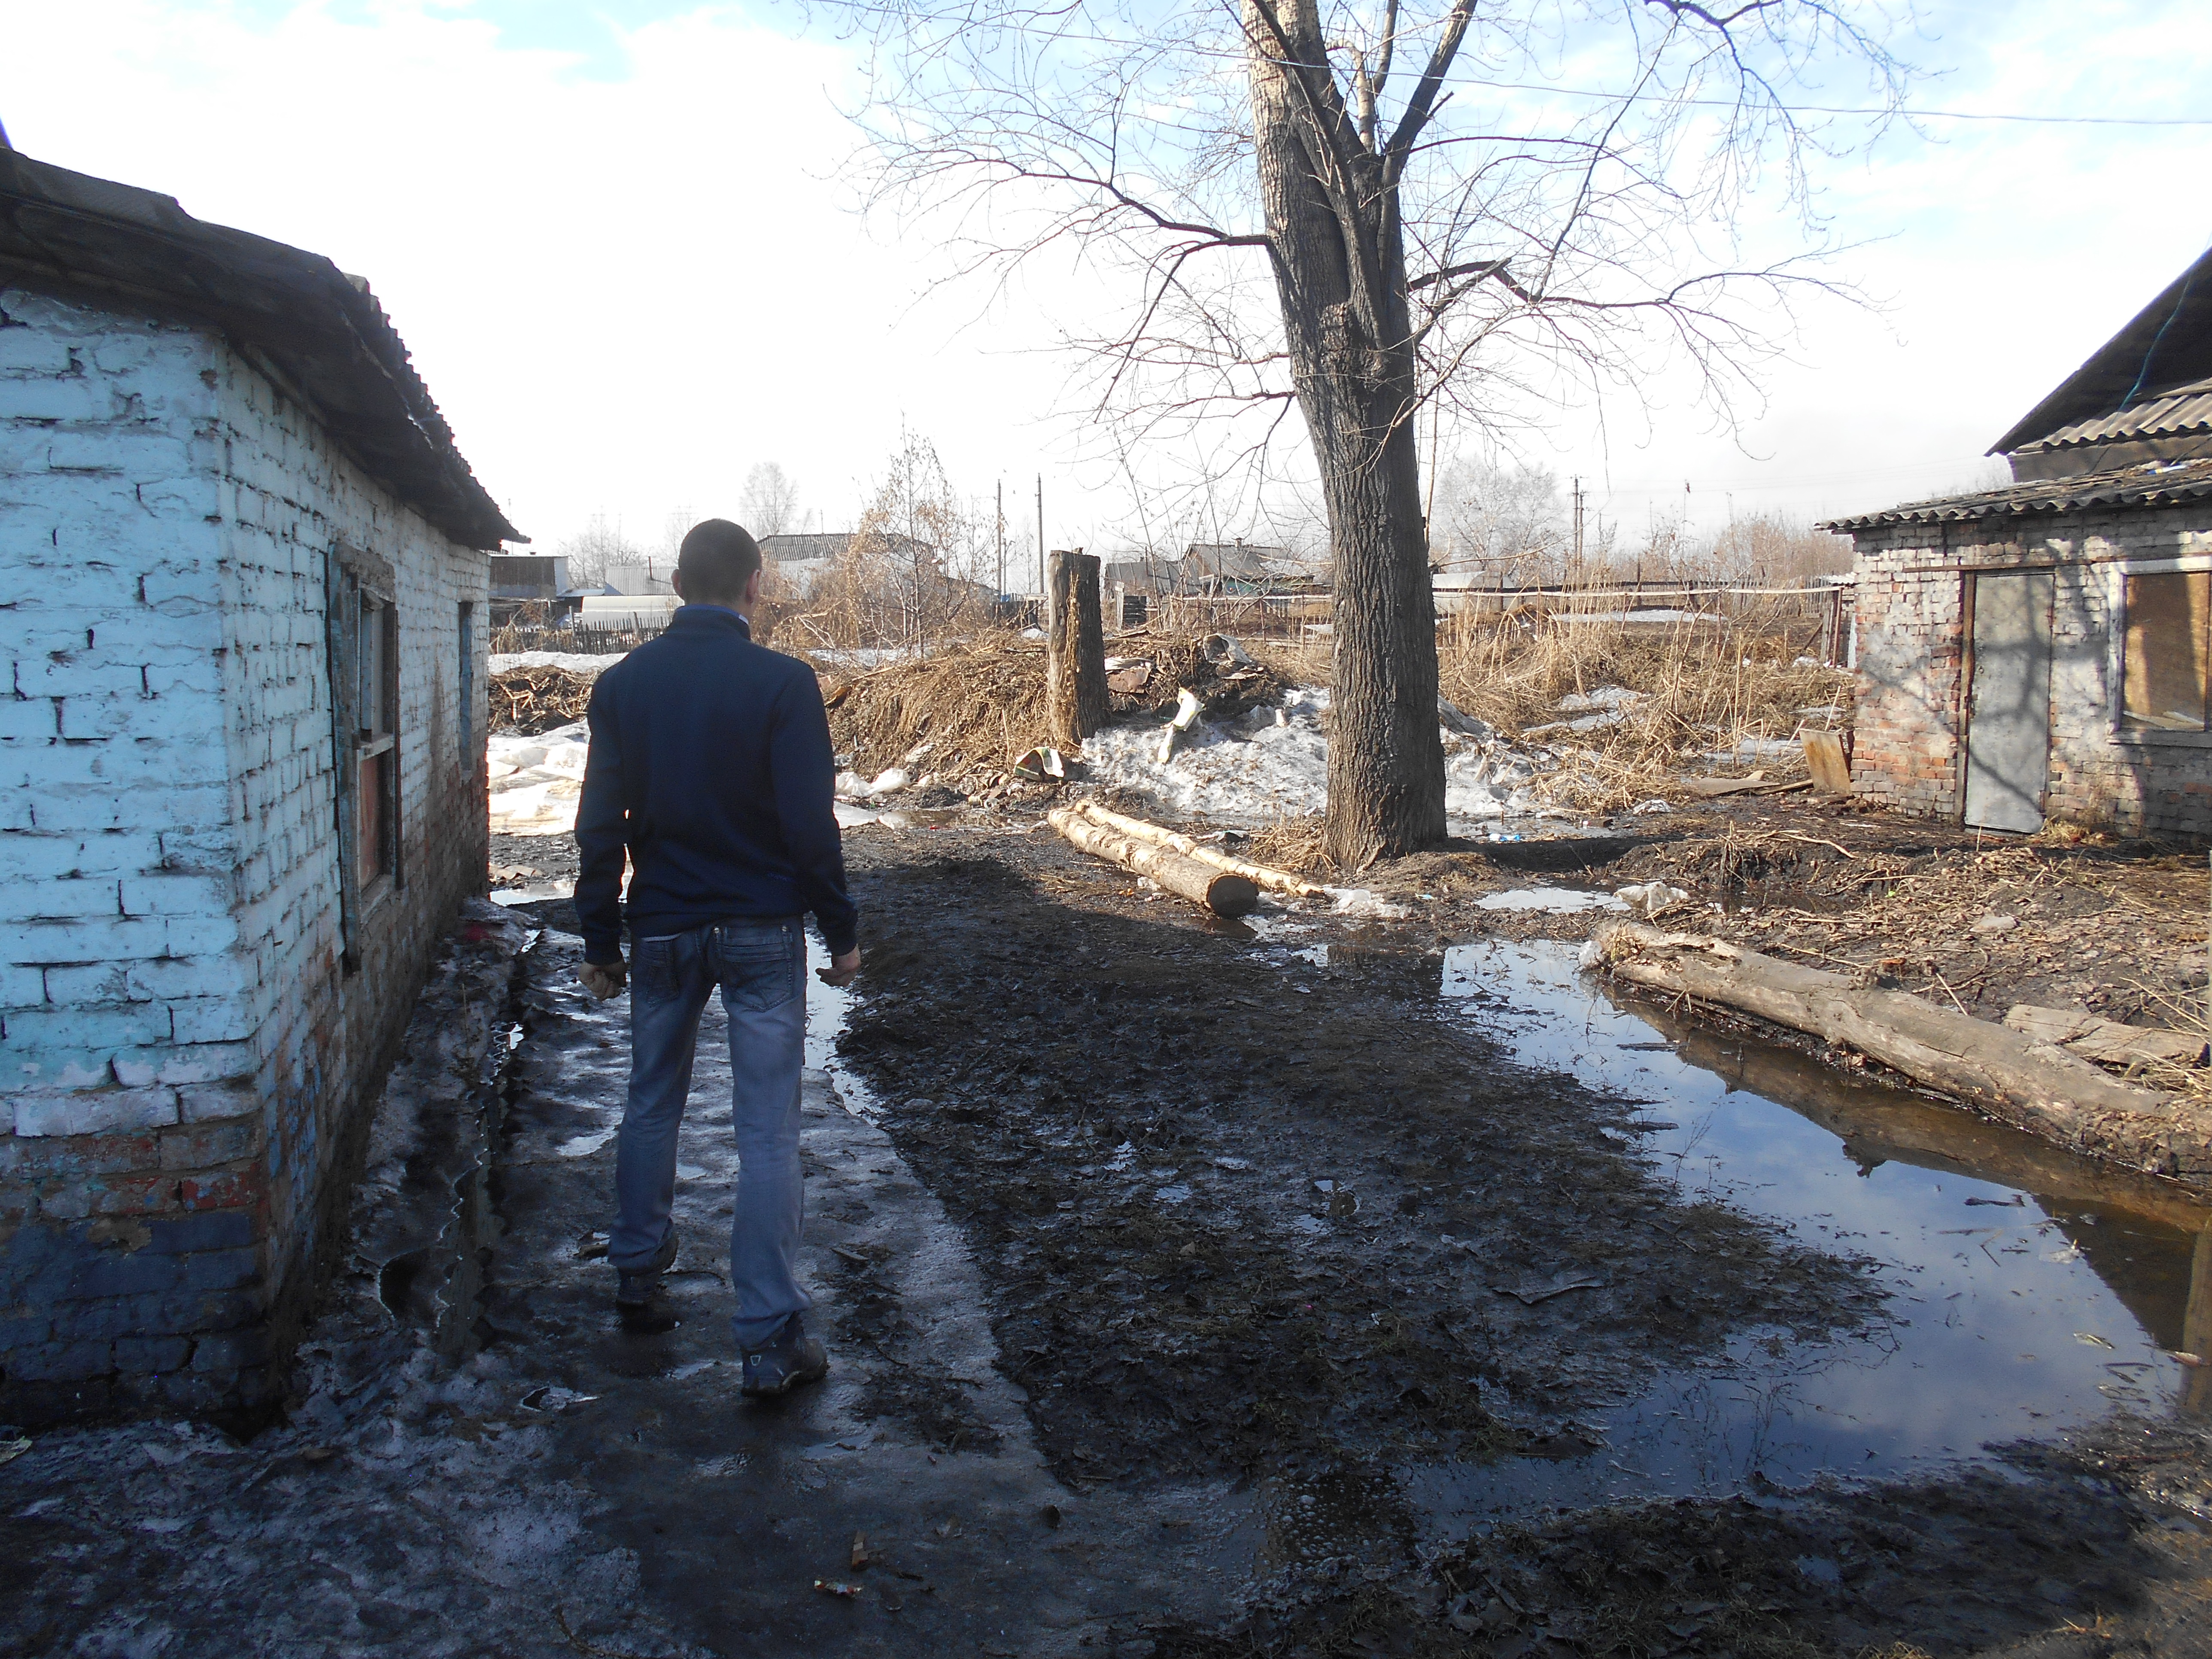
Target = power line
(1847,109)
(1236,55)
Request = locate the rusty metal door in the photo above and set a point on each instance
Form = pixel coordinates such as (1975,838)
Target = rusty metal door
(2008,703)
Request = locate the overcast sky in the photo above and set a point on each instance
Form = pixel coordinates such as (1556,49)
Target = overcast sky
(615,237)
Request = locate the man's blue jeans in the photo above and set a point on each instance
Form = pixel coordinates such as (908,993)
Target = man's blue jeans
(760,967)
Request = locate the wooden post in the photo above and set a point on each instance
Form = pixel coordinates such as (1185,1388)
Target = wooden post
(1075,649)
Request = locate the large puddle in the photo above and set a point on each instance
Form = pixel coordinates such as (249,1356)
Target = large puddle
(2032,1290)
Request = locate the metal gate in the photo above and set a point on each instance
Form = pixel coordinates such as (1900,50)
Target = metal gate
(2009,702)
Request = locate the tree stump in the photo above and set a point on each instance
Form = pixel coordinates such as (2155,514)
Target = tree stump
(1075,649)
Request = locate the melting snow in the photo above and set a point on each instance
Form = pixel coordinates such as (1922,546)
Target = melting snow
(1273,763)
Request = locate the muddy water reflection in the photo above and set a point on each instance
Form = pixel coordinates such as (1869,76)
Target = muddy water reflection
(2032,1290)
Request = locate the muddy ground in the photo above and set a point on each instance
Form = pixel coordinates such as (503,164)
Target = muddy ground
(1065,1052)
(1157,1263)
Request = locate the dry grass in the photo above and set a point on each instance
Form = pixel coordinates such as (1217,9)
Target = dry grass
(1705,688)
(1293,844)
(979,706)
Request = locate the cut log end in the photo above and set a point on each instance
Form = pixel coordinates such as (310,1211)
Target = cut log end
(1232,895)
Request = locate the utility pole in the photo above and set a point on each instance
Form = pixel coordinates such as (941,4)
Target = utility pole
(1041,589)
(1576,577)
(999,592)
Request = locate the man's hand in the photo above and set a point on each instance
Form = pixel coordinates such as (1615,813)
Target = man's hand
(604,980)
(841,970)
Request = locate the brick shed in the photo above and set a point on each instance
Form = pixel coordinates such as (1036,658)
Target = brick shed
(2044,650)
(245,792)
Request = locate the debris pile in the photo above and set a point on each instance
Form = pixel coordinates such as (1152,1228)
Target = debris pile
(967,716)
(971,710)
(535,698)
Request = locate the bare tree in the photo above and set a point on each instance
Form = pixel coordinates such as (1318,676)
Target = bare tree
(598,548)
(896,582)
(1499,523)
(768,504)
(1300,223)
(1773,549)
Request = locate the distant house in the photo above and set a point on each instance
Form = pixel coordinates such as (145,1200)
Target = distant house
(247,578)
(529,579)
(1213,568)
(2044,649)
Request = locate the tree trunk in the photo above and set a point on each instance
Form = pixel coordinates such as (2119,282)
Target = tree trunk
(1338,254)
(1075,650)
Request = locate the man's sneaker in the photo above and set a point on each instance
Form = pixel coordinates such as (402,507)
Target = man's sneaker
(639,1296)
(785,1360)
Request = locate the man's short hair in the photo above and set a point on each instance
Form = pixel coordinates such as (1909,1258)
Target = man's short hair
(716,560)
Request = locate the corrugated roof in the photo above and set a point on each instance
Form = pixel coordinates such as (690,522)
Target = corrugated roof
(322,329)
(2154,483)
(2175,412)
(2168,343)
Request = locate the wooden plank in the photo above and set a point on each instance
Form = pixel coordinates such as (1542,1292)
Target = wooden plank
(1824,758)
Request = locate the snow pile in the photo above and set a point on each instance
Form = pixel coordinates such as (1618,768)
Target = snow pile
(536,782)
(589,665)
(1272,763)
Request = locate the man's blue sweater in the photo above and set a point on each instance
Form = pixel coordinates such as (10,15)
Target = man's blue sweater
(710,764)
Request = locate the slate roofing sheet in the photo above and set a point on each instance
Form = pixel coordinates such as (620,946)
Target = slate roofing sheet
(2167,345)
(2176,412)
(2154,483)
(323,330)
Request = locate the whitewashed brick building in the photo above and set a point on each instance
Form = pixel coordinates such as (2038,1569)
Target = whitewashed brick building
(2044,650)
(241,597)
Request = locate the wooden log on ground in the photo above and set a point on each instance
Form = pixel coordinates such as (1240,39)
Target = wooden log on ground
(1075,649)
(1878,1124)
(2037,1086)
(1278,881)
(1222,891)
(2107,1040)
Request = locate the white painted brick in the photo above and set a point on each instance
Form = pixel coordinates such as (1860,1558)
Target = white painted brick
(60,397)
(95,1111)
(60,898)
(206,1062)
(214,1019)
(181,570)
(214,1103)
(28,351)
(115,938)
(21,987)
(170,895)
(89,984)
(119,452)
(28,719)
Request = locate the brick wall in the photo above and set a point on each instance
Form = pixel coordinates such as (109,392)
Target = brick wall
(185,1068)
(1911,601)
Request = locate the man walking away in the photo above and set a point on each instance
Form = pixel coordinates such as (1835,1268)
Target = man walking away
(710,766)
